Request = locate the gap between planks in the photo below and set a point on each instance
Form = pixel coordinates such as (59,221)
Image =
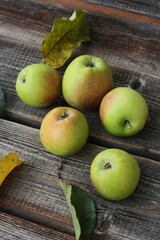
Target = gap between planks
(103,9)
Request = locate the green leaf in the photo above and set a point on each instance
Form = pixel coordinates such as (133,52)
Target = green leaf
(2,103)
(82,209)
(7,164)
(65,36)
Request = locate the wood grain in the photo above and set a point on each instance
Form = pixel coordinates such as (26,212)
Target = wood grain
(16,228)
(126,43)
(150,8)
(32,205)
(150,14)
(133,55)
(31,191)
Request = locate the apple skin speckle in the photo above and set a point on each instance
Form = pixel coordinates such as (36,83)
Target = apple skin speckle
(118,181)
(64,131)
(38,85)
(85,82)
(123,112)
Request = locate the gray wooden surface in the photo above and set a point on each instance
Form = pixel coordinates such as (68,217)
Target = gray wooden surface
(32,206)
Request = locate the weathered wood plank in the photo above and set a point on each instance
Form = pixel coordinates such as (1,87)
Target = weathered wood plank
(16,228)
(143,144)
(149,7)
(31,190)
(129,42)
(147,11)
(132,54)
(126,43)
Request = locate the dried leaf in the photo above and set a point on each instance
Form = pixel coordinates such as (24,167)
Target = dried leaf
(7,164)
(66,35)
(2,103)
(82,209)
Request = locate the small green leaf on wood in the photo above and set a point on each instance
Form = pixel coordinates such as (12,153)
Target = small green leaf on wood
(66,35)
(2,103)
(82,209)
(7,164)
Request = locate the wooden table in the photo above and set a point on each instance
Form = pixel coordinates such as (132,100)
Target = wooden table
(32,205)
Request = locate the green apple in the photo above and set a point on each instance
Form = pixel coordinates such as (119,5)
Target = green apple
(114,174)
(123,112)
(85,82)
(38,85)
(64,131)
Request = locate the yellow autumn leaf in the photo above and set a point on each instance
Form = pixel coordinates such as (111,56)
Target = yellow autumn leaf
(66,35)
(7,164)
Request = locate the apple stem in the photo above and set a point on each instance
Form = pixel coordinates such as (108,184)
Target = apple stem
(64,115)
(59,167)
(107,165)
(90,63)
(127,123)
(23,80)
(58,176)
